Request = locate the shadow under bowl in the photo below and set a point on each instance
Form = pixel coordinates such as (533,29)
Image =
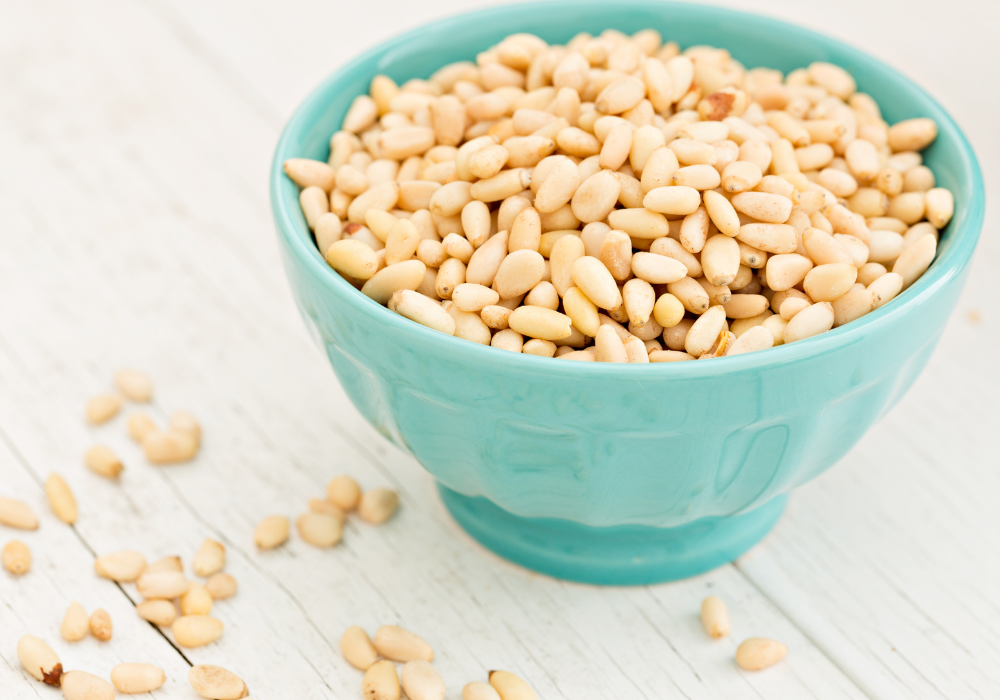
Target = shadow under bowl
(621,474)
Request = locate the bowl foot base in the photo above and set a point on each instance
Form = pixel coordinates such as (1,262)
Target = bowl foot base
(627,555)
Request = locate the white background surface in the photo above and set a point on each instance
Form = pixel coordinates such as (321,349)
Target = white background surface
(135,139)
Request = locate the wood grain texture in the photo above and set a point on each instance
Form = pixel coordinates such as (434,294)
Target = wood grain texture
(136,142)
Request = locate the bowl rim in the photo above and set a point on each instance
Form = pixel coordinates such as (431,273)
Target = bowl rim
(946,266)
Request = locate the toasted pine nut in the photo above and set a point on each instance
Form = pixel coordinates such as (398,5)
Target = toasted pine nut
(101,409)
(100,625)
(216,682)
(758,653)
(124,566)
(16,557)
(138,678)
(101,460)
(161,613)
(169,447)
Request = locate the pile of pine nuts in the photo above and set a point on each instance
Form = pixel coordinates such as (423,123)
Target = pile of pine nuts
(418,679)
(323,525)
(618,200)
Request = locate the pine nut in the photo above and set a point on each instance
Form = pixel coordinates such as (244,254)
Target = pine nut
(829,282)
(758,653)
(344,492)
(79,685)
(378,505)
(161,613)
(912,134)
(39,660)
(101,409)
(518,273)
(357,648)
(715,615)
(772,238)
(608,347)
(640,222)
(402,275)
(221,586)
(509,340)
(886,287)
(850,306)
(310,173)
(101,460)
(124,566)
(496,317)
(705,331)
(401,645)
(196,600)
(196,630)
(720,259)
(320,529)
(137,678)
(422,682)
(165,585)
(16,557)
(100,625)
(75,624)
(381,682)
(511,687)
(134,385)
(811,321)
(216,683)
(915,259)
(763,206)
(939,206)
(423,310)
(61,499)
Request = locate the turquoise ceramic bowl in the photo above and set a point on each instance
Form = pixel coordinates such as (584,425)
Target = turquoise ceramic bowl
(621,474)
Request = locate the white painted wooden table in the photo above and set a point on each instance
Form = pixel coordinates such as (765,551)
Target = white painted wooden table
(135,139)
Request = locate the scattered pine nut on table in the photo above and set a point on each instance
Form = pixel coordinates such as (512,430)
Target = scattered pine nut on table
(691,181)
